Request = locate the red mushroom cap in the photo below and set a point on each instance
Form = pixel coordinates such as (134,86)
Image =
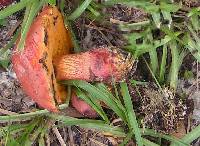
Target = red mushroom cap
(47,39)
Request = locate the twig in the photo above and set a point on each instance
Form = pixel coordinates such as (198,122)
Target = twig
(59,137)
(19,117)
(6,112)
(73,37)
(99,28)
(65,133)
(116,120)
(70,136)
(13,29)
(97,142)
(47,139)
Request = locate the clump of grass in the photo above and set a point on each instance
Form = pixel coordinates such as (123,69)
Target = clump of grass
(177,36)
(126,109)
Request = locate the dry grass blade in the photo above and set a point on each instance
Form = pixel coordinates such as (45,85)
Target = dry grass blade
(59,137)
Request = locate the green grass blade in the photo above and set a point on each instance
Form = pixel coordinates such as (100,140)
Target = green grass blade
(195,22)
(193,45)
(165,40)
(87,123)
(191,136)
(117,131)
(93,11)
(131,117)
(70,121)
(26,116)
(68,98)
(173,35)
(193,11)
(127,138)
(3,22)
(163,65)
(14,8)
(169,7)
(153,60)
(26,15)
(31,11)
(97,93)
(194,49)
(145,141)
(194,34)
(24,137)
(41,140)
(181,57)
(173,76)
(148,142)
(154,133)
(52,2)
(79,10)
(152,52)
(167,16)
(156,18)
(104,89)
(41,129)
(12,129)
(116,90)
(93,103)
(69,25)
(153,75)
(136,82)
(11,141)
(133,26)
(5,51)
(10,44)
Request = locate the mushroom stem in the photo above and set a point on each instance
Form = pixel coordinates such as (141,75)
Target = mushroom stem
(95,65)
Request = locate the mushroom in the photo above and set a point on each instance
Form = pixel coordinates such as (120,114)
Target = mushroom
(46,60)
(82,107)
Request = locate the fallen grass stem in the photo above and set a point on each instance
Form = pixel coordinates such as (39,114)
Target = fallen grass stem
(25,116)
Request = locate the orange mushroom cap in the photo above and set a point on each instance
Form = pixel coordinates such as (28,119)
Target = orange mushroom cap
(47,39)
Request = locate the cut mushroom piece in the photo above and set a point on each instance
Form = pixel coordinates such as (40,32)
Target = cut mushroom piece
(96,65)
(82,107)
(47,39)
